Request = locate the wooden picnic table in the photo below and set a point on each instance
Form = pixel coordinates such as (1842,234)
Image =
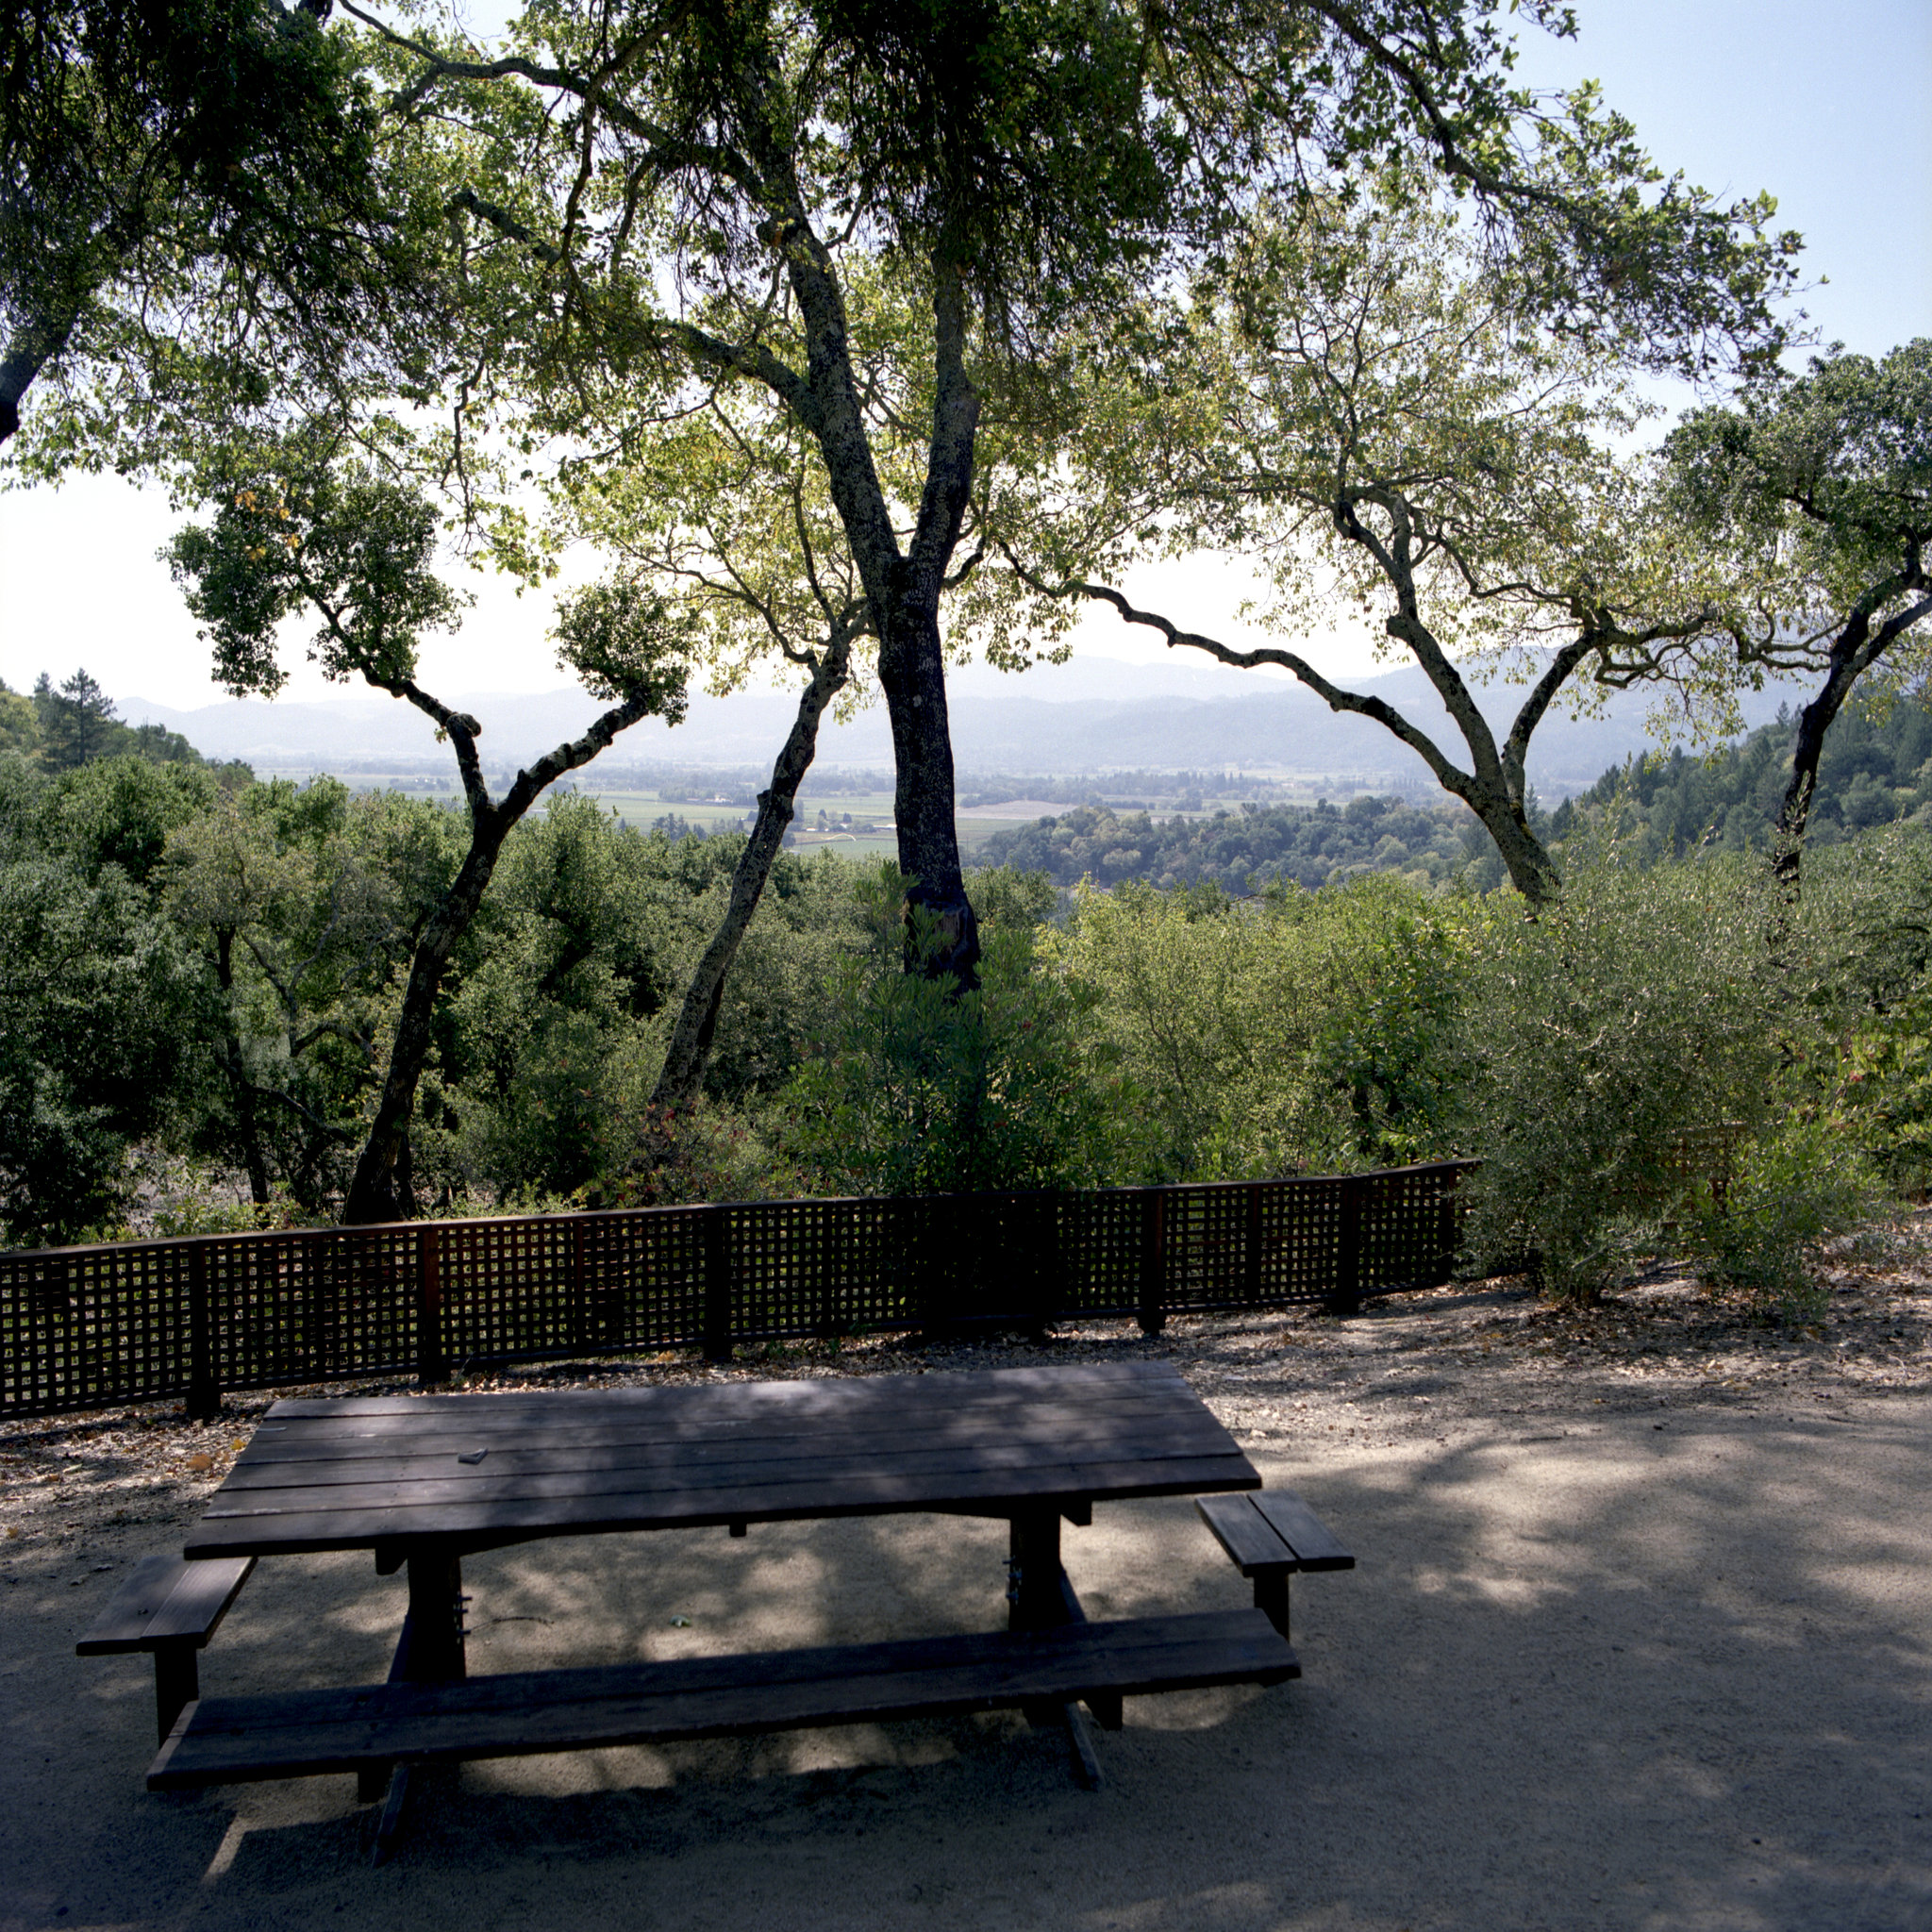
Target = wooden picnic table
(423,1481)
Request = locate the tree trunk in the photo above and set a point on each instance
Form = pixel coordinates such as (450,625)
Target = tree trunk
(240,1089)
(697,1021)
(384,1186)
(912,675)
(1532,871)
(1807,747)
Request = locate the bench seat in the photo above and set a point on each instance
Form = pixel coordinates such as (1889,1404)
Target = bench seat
(301,1734)
(1270,1535)
(171,1607)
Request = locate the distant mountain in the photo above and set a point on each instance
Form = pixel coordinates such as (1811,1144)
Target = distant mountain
(1091,714)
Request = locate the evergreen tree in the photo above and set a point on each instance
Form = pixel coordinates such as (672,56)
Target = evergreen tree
(78,722)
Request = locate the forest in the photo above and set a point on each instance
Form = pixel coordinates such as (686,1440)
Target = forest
(201,972)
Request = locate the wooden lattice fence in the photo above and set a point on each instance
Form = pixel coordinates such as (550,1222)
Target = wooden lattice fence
(149,1321)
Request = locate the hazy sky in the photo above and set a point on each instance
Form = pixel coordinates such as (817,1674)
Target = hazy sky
(1827,107)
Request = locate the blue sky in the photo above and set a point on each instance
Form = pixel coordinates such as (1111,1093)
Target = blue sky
(1828,107)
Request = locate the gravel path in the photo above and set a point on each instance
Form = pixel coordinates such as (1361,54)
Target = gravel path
(1642,1637)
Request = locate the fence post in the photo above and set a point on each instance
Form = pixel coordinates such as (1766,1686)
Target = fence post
(1345,1297)
(1251,1242)
(204,1388)
(1152,1313)
(432,1365)
(717,1288)
(1445,1225)
(580,1323)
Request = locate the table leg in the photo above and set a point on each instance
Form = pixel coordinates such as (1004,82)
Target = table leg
(433,1631)
(1039,1597)
(429,1651)
(1036,1597)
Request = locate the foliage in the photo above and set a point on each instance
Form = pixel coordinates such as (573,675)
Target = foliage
(1621,1045)
(183,180)
(1304,1034)
(70,726)
(561,993)
(1797,1185)
(1816,492)
(1868,914)
(301,906)
(914,1087)
(1877,770)
(101,1014)
(1360,399)
(76,723)
(1828,476)
(343,544)
(1242,850)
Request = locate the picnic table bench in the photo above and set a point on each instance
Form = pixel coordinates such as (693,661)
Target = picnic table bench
(167,1607)
(422,1482)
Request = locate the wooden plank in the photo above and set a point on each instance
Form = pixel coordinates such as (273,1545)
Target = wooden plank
(200,1600)
(643,1416)
(749,1406)
(1314,1544)
(166,1599)
(1247,1537)
(884,1492)
(592,1451)
(961,1472)
(239,1740)
(122,1626)
(917,1390)
(536,1472)
(880,1487)
(477,1420)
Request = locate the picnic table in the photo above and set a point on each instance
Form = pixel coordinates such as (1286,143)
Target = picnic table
(422,1482)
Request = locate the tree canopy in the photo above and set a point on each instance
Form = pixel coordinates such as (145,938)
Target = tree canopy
(646,203)
(1359,402)
(1816,492)
(181,179)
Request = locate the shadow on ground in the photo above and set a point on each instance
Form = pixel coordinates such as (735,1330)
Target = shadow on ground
(1649,1676)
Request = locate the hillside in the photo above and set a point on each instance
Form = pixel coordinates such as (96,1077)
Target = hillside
(1877,770)
(1242,850)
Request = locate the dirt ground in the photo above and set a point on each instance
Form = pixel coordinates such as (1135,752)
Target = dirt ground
(1641,1636)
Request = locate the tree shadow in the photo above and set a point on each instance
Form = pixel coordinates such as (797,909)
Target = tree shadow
(1643,1677)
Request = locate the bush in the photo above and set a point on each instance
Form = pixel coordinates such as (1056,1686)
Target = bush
(1618,1039)
(1304,1031)
(1867,912)
(1796,1186)
(915,1088)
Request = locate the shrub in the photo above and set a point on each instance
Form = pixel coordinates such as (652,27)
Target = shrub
(914,1087)
(1301,1031)
(1607,1038)
(1796,1186)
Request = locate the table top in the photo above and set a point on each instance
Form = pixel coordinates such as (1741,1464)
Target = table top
(482,1471)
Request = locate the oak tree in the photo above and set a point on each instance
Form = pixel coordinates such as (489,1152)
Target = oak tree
(1818,489)
(722,186)
(360,553)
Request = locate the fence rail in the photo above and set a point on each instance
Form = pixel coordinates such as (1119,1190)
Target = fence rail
(87,1327)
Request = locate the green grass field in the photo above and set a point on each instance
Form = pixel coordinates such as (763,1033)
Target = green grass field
(869,835)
